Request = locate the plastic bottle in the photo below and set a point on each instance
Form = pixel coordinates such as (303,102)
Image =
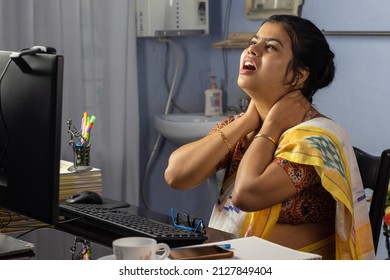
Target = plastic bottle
(213,99)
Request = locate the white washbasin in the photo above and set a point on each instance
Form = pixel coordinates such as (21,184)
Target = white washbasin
(184,128)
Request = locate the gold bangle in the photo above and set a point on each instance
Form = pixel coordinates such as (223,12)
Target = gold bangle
(266,137)
(228,145)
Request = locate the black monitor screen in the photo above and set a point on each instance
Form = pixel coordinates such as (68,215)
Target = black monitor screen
(30,130)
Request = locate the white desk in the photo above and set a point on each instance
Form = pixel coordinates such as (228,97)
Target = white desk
(255,248)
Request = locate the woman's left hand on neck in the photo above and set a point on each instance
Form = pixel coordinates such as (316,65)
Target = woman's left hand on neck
(289,111)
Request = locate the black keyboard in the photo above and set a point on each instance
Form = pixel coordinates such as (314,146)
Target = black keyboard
(125,223)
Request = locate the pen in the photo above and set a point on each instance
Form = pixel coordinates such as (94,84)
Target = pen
(90,124)
(85,119)
(225,246)
(83,126)
(88,128)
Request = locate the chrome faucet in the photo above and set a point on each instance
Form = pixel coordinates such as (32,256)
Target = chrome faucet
(243,104)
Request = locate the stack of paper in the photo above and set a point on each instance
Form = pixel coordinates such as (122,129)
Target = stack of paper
(74,182)
(255,248)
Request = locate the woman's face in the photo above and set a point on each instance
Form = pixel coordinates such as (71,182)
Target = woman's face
(264,63)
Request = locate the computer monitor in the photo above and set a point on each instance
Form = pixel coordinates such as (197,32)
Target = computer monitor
(30,132)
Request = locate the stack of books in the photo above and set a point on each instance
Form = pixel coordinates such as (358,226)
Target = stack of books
(74,182)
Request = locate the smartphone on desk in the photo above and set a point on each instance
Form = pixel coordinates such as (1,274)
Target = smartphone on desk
(208,252)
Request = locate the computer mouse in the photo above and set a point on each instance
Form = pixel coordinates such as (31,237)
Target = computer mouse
(87,197)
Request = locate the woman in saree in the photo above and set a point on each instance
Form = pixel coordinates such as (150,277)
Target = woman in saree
(291,175)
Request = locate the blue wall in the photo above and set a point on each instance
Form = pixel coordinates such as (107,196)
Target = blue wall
(193,79)
(359,97)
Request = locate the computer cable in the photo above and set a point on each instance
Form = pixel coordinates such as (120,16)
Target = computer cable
(4,224)
(47,226)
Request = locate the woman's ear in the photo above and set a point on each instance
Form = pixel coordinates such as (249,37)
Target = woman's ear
(301,76)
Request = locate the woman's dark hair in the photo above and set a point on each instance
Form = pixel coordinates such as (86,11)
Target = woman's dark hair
(310,50)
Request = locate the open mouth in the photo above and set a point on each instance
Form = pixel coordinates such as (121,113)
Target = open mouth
(249,65)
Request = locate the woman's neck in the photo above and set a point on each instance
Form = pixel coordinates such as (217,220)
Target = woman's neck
(265,101)
(263,109)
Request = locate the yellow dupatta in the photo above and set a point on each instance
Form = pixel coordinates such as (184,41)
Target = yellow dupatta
(312,143)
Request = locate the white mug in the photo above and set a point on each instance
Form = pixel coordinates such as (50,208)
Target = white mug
(139,248)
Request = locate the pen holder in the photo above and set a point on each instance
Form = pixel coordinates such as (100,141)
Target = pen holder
(81,159)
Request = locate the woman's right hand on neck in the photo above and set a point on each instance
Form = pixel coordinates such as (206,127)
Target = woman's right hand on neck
(287,112)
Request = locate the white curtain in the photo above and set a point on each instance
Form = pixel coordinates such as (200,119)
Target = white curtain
(97,39)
